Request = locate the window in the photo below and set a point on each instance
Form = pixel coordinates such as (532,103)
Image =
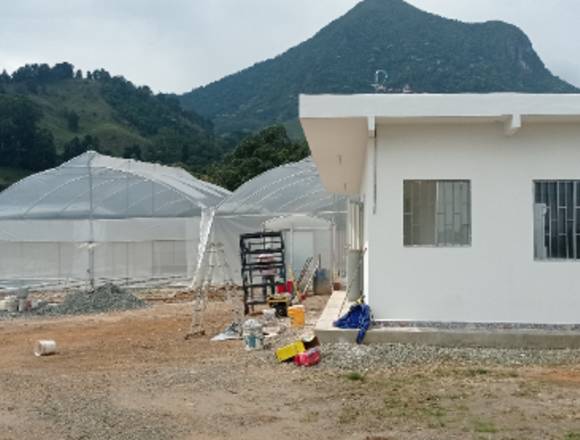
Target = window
(556,219)
(437,213)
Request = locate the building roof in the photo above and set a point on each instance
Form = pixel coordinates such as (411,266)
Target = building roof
(338,127)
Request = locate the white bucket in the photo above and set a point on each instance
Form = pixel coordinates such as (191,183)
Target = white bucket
(45,348)
(11,304)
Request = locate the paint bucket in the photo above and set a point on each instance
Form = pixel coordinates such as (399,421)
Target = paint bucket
(297,315)
(11,304)
(253,335)
(44,348)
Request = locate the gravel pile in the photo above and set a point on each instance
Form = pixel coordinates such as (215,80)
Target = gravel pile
(371,357)
(107,298)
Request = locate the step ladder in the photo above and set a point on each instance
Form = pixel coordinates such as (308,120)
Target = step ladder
(217,264)
(306,278)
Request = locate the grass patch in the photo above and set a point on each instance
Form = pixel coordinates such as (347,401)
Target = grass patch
(477,372)
(572,436)
(311,417)
(484,426)
(355,376)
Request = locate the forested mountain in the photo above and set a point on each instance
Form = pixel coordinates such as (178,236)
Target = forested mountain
(50,114)
(420,51)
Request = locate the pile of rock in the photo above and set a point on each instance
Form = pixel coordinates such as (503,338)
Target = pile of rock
(107,298)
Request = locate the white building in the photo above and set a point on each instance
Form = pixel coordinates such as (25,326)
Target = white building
(471,203)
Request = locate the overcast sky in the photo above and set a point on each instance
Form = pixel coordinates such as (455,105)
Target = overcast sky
(176,45)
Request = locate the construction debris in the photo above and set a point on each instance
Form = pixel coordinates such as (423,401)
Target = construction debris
(231,333)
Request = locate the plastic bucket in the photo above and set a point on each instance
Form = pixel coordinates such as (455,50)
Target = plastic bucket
(11,304)
(45,348)
(253,335)
(297,315)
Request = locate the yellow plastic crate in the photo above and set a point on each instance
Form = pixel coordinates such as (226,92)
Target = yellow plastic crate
(289,351)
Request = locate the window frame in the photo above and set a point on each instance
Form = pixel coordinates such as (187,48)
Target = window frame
(548,260)
(469,244)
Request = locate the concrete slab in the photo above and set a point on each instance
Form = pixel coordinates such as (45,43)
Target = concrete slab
(457,337)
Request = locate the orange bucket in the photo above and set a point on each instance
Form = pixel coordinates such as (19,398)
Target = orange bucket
(297,315)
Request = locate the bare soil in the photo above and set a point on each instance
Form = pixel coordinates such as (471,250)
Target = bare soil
(133,375)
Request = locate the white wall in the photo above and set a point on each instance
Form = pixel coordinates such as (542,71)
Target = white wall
(496,279)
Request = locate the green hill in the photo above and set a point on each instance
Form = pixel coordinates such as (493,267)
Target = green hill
(50,114)
(420,51)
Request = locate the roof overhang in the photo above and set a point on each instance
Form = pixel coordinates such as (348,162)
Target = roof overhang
(338,127)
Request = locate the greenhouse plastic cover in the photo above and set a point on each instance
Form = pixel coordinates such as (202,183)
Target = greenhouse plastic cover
(293,192)
(294,188)
(102,187)
(103,218)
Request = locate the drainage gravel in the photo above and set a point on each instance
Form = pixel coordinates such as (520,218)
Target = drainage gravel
(371,357)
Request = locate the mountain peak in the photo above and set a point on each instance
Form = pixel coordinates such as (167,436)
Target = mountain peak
(422,52)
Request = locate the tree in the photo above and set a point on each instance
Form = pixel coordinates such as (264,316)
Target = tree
(91,143)
(72,120)
(73,148)
(62,71)
(256,154)
(4,77)
(167,147)
(79,74)
(22,143)
(132,152)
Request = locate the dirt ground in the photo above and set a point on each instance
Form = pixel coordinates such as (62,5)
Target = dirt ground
(133,375)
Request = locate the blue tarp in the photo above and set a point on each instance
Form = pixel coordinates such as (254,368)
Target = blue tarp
(359,316)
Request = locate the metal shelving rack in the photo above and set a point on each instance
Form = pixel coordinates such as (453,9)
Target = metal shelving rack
(263,266)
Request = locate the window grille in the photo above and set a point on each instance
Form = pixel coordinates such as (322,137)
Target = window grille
(556,213)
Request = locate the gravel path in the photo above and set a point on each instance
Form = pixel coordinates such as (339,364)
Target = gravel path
(366,357)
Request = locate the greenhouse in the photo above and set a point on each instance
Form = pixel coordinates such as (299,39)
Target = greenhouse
(291,199)
(97,218)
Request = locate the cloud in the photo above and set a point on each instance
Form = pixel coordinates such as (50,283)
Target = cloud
(176,45)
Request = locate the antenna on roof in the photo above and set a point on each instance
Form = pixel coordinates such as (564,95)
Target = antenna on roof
(381,77)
